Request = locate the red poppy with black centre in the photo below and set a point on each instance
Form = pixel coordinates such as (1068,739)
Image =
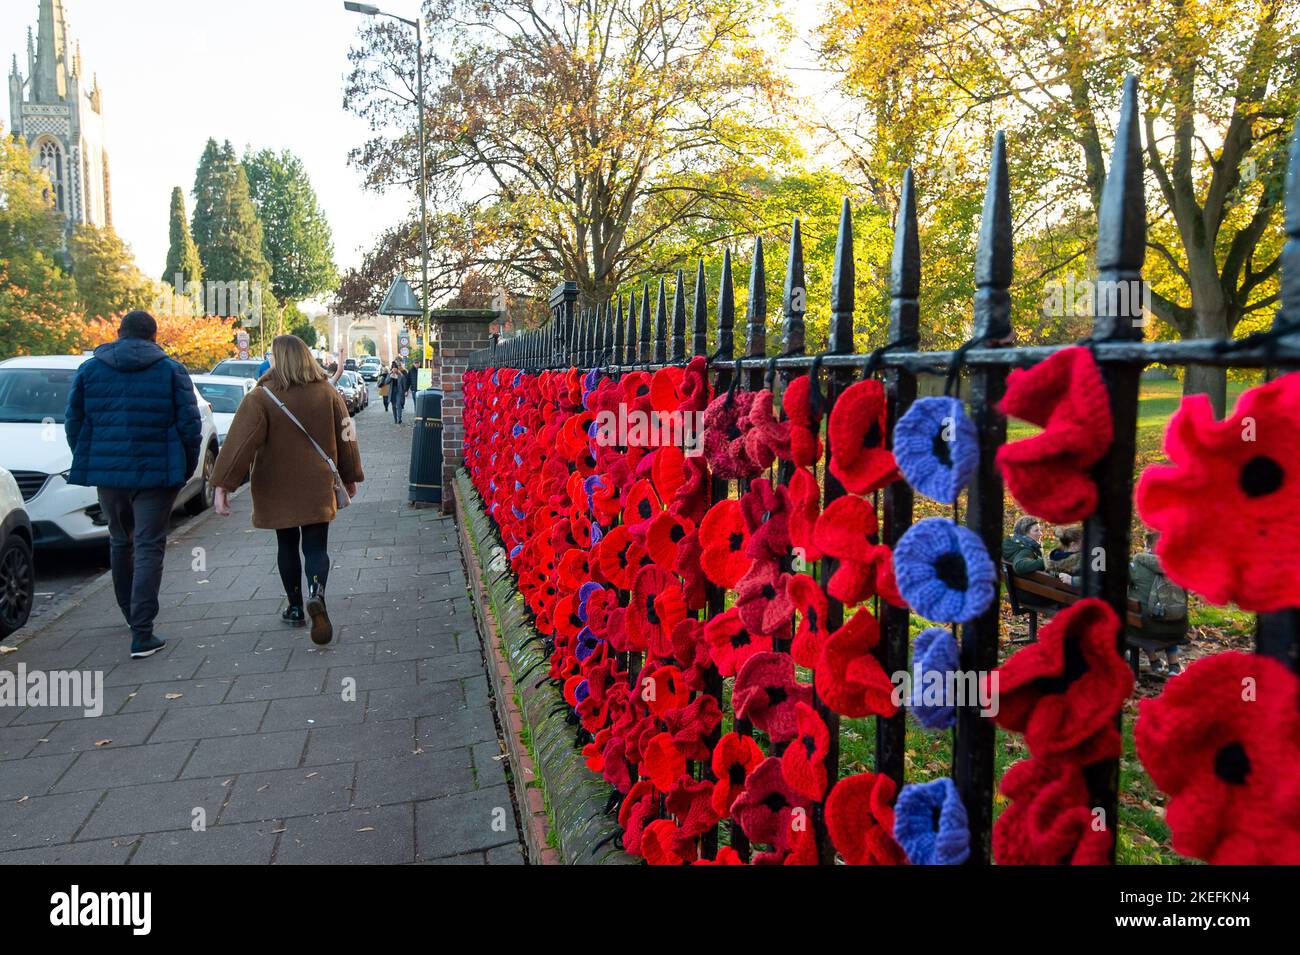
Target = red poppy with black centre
(664,538)
(768,809)
(765,509)
(620,557)
(1226,505)
(725,539)
(762,600)
(731,643)
(1063,692)
(804,760)
(1223,741)
(767,693)
(655,607)
(642,507)
(734,758)
(662,689)
(811,606)
(859,458)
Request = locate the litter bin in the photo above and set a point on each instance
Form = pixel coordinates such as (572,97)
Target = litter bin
(426,448)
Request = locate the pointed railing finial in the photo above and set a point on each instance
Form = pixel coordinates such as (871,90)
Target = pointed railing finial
(905,269)
(842,286)
(700,315)
(726,309)
(644,351)
(994,251)
(794,303)
(756,310)
(661,324)
(678,341)
(1118,306)
(617,321)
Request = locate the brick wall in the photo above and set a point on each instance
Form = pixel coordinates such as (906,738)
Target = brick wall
(460,337)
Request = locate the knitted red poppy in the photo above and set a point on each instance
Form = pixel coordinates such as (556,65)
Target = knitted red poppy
(804,760)
(1223,741)
(766,693)
(768,809)
(1049,820)
(620,557)
(640,806)
(665,389)
(1048,473)
(762,600)
(690,804)
(641,508)
(664,763)
(1063,692)
(662,689)
(850,680)
(766,515)
(692,724)
(691,651)
(766,438)
(1229,483)
(664,537)
(726,856)
(724,538)
(656,606)
(661,844)
(810,604)
(856,432)
(860,820)
(805,438)
(731,643)
(668,471)
(726,422)
(687,567)
(804,505)
(734,758)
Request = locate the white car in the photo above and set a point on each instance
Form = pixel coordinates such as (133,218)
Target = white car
(224,395)
(237,368)
(17,574)
(33,447)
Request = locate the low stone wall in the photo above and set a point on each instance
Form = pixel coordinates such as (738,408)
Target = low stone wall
(551,780)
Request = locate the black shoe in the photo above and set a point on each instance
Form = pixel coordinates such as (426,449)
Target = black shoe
(294,616)
(322,631)
(142,647)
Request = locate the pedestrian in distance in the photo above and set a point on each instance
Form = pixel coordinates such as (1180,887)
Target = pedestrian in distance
(294,433)
(397,388)
(134,428)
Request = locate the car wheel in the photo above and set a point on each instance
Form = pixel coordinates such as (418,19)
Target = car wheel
(17,585)
(203,500)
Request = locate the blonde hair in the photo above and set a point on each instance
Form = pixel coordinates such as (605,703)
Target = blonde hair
(292,364)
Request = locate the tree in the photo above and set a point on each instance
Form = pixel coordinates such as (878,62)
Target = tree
(196,341)
(1219,87)
(225,227)
(306,332)
(108,281)
(296,236)
(38,300)
(182,253)
(582,131)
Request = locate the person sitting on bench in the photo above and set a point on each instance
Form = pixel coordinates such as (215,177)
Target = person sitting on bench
(1066,560)
(1023,550)
(1163,603)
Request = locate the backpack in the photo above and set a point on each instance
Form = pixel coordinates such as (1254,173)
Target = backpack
(1166,601)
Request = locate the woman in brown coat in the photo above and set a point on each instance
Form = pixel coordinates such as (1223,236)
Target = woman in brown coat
(293,485)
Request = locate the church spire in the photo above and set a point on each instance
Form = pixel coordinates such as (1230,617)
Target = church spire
(50,76)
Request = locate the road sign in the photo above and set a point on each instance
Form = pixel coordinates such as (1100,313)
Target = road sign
(241,341)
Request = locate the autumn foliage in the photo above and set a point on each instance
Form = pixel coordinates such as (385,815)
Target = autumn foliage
(196,341)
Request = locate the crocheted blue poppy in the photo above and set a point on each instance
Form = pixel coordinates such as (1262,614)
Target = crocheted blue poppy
(930,823)
(943,571)
(586,644)
(936,447)
(934,655)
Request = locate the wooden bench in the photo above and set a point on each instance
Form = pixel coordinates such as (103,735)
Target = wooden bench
(1030,594)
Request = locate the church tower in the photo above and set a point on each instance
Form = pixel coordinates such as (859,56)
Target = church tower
(61,118)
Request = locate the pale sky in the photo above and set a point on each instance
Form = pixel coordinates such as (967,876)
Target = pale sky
(266,73)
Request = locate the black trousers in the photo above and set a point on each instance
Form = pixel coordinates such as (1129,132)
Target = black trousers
(314,539)
(137,540)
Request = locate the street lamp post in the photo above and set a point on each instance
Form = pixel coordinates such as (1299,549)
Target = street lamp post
(372,11)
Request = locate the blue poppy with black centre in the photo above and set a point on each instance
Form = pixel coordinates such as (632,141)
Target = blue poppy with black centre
(936,447)
(944,572)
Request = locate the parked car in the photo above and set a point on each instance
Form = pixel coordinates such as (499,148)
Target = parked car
(370,368)
(224,395)
(33,447)
(349,364)
(356,395)
(17,572)
(237,368)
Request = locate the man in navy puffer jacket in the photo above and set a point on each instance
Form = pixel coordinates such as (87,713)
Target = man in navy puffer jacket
(134,428)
